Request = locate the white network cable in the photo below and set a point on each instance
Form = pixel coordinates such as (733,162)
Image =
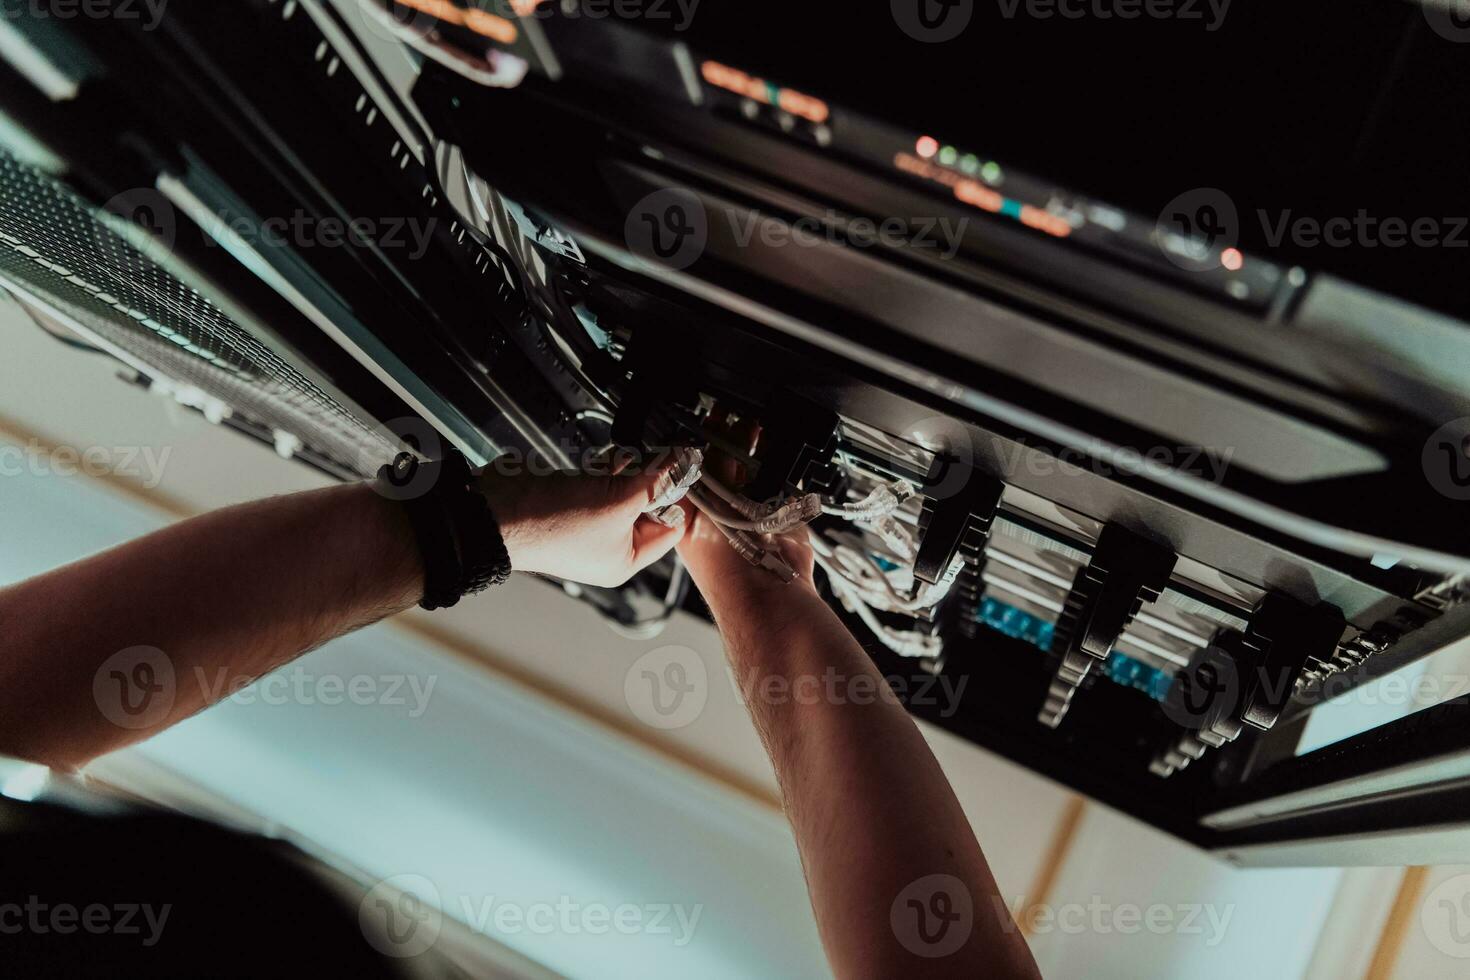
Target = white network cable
(880,502)
(904,643)
(739,502)
(798,513)
(747,546)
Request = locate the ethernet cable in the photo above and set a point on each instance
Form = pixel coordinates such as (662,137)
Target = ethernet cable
(739,502)
(904,643)
(749,548)
(786,518)
(880,502)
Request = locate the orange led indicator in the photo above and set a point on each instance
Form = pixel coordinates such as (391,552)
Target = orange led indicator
(734,80)
(976,194)
(1041,220)
(480,21)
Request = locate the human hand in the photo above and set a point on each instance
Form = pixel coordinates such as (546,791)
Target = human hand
(586,528)
(723,575)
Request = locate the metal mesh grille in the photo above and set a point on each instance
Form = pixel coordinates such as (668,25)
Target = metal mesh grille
(53,247)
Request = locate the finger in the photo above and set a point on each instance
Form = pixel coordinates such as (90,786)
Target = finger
(652,540)
(613,460)
(642,491)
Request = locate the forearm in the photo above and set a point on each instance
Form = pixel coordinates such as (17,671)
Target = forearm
(870,807)
(226,596)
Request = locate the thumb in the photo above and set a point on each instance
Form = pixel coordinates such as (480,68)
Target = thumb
(661,485)
(652,540)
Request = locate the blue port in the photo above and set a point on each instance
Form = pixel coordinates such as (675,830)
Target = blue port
(1016,623)
(1123,669)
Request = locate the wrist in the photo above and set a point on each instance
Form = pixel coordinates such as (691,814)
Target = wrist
(767,617)
(506,498)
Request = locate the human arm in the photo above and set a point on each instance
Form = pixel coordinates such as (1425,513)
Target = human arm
(213,602)
(881,835)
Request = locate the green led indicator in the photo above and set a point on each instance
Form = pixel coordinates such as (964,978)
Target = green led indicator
(948,156)
(991,172)
(970,164)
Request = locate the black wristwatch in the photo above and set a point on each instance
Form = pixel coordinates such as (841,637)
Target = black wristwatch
(458,537)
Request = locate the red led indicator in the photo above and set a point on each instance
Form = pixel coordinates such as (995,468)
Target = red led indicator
(927,147)
(1232,259)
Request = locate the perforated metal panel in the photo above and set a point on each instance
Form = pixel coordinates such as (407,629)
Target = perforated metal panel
(53,247)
